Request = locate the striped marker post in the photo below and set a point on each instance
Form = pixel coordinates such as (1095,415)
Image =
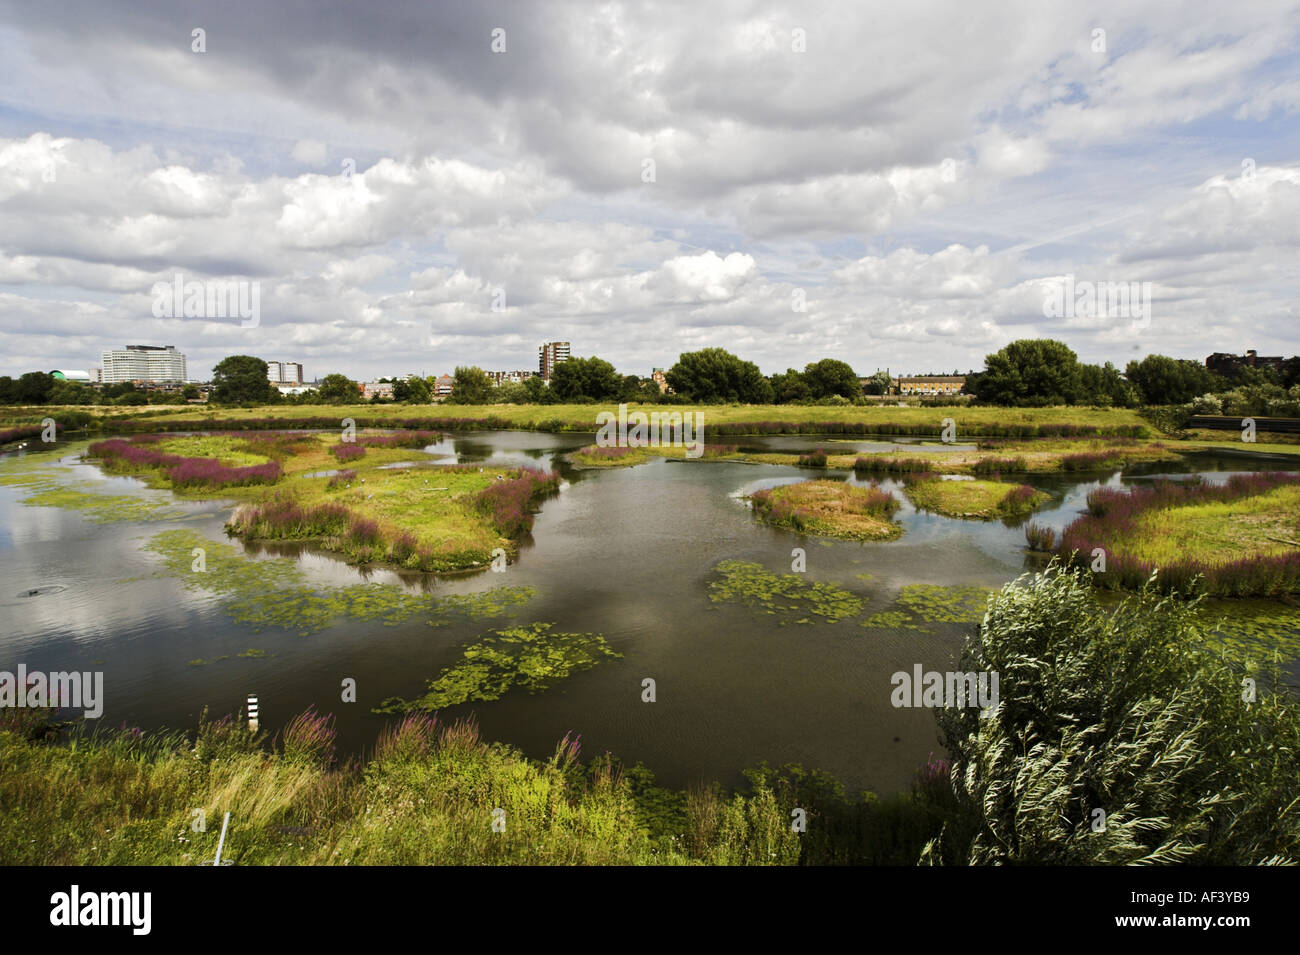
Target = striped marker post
(252,713)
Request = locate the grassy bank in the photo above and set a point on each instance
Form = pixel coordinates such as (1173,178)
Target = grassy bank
(1242,537)
(830,509)
(977,499)
(718,419)
(427,794)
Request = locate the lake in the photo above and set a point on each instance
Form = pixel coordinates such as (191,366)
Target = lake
(629,553)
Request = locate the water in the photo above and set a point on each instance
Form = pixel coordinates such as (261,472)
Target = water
(628,553)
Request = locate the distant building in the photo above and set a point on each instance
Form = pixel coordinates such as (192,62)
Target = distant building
(1224,363)
(660,379)
(930,385)
(284,372)
(442,386)
(549,355)
(143,363)
(72,374)
(517,377)
(369,389)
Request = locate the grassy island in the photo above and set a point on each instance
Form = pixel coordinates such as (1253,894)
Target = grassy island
(433,518)
(974,499)
(830,509)
(1242,537)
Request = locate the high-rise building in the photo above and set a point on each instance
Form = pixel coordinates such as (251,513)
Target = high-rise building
(550,355)
(284,372)
(148,363)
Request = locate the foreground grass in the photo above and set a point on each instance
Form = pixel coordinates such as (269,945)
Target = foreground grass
(428,795)
(982,500)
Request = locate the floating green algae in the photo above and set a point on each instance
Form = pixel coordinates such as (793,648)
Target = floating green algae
(934,603)
(918,605)
(103,508)
(892,620)
(274,593)
(47,484)
(755,586)
(529,657)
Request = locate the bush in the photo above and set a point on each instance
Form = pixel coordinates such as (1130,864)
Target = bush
(1121,710)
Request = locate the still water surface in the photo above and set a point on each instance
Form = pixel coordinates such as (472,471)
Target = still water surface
(628,553)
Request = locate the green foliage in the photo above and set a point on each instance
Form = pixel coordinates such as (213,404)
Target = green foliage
(336,389)
(831,376)
(240,378)
(1121,711)
(1029,372)
(580,379)
(470,386)
(715,375)
(1161,380)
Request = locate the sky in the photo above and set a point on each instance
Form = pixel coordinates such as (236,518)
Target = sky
(410,186)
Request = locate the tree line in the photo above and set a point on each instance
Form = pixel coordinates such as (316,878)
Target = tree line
(1025,373)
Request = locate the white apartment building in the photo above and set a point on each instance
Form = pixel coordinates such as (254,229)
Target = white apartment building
(149,363)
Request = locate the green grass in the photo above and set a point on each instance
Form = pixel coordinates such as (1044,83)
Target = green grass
(232,451)
(976,499)
(830,509)
(582,417)
(427,796)
(1217,532)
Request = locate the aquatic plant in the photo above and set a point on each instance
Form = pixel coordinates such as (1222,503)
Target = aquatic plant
(528,657)
(508,503)
(786,595)
(1040,538)
(817,459)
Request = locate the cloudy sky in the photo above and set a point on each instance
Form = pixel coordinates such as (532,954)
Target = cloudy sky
(416,185)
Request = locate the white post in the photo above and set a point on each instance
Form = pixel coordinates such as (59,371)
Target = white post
(252,713)
(222,841)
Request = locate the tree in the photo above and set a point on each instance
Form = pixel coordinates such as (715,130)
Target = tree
(830,376)
(714,375)
(338,389)
(511,393)
(1161,380)
(470,386)
(34,388)
(71,393)
(586,378)
(190,392)
(240,379)
(536,391)
(415,390)
(1030,371)
(879,383)
(1103,385)
(789,387)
